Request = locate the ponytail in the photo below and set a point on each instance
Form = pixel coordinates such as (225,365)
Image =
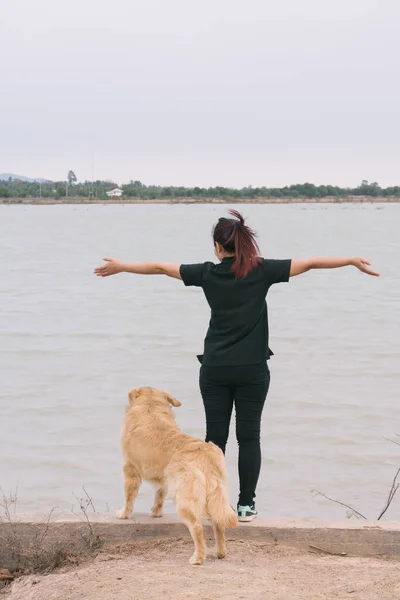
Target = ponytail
(238,239)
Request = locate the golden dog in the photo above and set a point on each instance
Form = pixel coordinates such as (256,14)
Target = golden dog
(190,470)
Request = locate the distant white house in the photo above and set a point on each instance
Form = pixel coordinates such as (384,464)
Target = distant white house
(117,193)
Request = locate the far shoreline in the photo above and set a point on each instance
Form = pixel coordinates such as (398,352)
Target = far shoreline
(226,200)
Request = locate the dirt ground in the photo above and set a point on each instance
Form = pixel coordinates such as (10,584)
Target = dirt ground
(159,570)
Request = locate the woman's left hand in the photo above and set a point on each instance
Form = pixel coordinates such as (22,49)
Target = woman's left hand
(363,265)
(112,266)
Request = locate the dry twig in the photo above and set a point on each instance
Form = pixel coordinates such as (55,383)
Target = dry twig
(92,540)
(353,510)
(392,493)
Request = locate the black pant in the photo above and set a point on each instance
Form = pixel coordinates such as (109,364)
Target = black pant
(247,387)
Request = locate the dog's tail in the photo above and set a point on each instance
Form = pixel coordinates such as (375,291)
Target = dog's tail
(218,506)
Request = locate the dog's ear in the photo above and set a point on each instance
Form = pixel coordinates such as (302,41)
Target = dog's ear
(172,400)
(133,394)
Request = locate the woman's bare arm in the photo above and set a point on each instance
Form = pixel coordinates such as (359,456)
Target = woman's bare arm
(113,266)
(302,265)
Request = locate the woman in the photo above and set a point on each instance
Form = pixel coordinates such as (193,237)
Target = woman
(234,367)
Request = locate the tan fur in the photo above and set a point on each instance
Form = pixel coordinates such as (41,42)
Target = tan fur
(192,471)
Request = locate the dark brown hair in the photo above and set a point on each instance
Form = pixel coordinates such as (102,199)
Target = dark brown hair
(237,238)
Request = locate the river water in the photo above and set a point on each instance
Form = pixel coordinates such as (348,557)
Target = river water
(72,345)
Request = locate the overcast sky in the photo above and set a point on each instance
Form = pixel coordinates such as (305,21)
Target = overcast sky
(201,92)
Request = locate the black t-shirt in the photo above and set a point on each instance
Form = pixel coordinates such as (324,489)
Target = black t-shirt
(238,330)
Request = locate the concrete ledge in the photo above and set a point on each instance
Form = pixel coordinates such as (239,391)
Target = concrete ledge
(348,537)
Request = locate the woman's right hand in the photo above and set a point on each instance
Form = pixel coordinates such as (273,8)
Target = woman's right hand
(112,266)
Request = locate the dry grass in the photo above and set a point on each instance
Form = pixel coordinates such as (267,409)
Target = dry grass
(42,552)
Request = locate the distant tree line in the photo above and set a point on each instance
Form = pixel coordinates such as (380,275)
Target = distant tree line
(13,188)
(135,189)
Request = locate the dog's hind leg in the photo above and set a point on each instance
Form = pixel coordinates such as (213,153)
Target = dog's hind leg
(187,486)
(196,531)
(219,534)
(157,510)
(132,481)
